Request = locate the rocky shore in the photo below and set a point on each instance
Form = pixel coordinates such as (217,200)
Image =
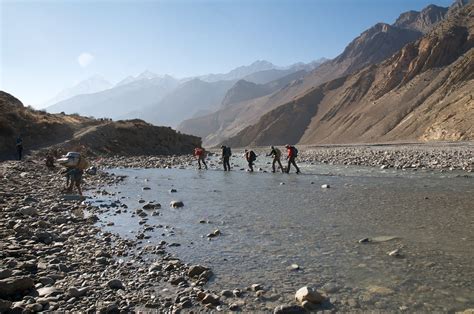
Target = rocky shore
(420,156)
(54,257)
(442,157)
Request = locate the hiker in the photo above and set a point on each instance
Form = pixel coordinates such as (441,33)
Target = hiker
(19,146)
(74,175)
(276,154)
(200,154)
(49,161)
(75,179)
(292,154)
(226,153)
(250,157)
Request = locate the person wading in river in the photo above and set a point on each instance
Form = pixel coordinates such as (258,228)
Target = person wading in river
(276,154)
(292,154)
(200,154)
(250,157)
(226,153)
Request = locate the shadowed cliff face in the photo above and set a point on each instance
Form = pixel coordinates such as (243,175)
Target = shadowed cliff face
(422,92)
(42,130)
(372,46)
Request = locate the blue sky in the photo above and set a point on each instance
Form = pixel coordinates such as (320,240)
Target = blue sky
(47,46)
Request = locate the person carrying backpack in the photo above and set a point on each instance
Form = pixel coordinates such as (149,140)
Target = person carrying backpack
(250,157)
(200,154)
(292,154)
(226,153)
(276,154)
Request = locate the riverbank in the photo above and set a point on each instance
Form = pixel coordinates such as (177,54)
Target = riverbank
(433,156)
(54,257)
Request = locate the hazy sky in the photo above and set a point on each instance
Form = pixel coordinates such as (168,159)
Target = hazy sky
(47,46)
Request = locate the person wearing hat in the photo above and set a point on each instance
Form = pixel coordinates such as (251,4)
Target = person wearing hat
(292,154)
(276,154)
(226,153)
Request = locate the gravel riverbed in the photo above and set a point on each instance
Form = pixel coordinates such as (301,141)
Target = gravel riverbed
(54,256)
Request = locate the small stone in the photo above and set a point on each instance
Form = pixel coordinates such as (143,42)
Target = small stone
(5,273)
(294,267)
(176,204)
(115,284)
(325,186)
(308,294)
(173,191)
(364,240)
(29,211)
(227,293)
(234,307)
(196,270)
(289,309)
(211,299)
(395,253)
(256,287)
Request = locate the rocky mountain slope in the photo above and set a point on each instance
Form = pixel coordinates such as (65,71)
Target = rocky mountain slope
(422,92)
(187,100)
(372,46)
(42,130)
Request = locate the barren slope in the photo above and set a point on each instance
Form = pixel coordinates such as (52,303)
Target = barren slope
(372,46)
(42,130)
(422,92)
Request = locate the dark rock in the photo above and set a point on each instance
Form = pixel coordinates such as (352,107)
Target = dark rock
(11,286)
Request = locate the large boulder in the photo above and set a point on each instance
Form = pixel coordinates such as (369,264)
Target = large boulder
(196,270)
(11,286)
(308,294)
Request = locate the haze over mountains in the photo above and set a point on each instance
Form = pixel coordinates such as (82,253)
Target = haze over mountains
(164,100)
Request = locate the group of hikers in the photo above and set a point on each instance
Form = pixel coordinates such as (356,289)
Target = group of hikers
(251,157)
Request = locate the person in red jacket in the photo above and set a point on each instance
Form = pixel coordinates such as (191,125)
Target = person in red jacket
(200,154)
(292,154)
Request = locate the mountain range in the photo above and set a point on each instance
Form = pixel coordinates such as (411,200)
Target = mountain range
(406,80)
(424,91)
(164,100)
(372,46)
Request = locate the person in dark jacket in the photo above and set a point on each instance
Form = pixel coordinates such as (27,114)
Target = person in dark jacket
(250,157)
(19,147)
(226,153)
(276,154)
(292,154)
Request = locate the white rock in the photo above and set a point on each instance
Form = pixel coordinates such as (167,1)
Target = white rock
(308,294)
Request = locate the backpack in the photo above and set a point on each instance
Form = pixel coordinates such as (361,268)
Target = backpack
(228,152)
(295,151)
(252,156)
(83,163)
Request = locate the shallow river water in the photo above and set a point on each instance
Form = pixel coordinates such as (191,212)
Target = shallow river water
(271,221)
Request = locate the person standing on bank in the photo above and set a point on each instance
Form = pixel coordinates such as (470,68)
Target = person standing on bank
(276,154)
(19,147)
(292,154)
(226,153)
(250,157)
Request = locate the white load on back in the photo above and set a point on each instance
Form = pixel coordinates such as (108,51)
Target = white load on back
(71,159)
